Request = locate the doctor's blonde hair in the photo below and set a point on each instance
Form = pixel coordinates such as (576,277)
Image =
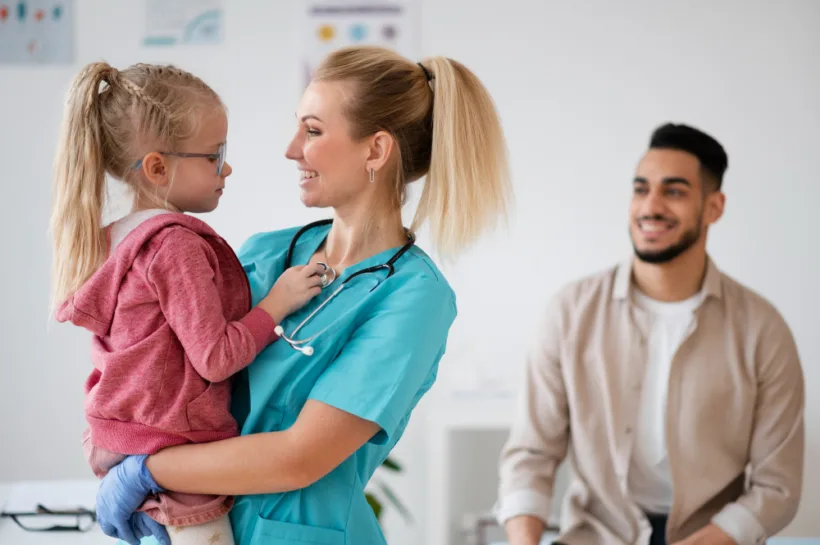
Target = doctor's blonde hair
(111,119)
(446,128)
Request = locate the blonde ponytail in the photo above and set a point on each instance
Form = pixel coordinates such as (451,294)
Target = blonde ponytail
(79,185)
(445,125)
(468,186)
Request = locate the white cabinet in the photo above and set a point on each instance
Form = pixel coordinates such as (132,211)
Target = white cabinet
(466,434)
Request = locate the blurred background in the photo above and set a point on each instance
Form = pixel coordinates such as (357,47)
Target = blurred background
(579,86)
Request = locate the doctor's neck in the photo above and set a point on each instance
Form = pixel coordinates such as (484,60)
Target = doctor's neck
(360,231)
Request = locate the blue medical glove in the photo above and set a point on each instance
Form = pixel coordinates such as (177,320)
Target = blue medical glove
(145,526)
(121,493)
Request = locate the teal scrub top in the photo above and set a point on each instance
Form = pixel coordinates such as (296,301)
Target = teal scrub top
(378,356)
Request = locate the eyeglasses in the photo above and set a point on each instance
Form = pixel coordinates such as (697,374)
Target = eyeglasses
(85,519)
(219,157)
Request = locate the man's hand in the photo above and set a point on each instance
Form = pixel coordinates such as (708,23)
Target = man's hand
(524,530)
(708,535)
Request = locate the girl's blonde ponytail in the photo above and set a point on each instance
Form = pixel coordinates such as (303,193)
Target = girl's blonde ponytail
(79,244)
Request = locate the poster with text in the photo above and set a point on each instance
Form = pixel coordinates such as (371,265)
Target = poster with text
(178,22)
(37,32)
(332,24)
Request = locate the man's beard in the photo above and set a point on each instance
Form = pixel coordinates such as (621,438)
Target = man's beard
(668,254)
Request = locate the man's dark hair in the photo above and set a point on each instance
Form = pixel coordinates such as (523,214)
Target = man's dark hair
(710,153)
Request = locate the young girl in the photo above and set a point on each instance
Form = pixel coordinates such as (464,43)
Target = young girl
(165,297)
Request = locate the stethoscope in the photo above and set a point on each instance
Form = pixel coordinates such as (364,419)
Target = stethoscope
(301,345)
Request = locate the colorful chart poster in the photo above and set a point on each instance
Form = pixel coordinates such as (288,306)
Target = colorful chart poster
(37,32)
(331,24)
(175,22)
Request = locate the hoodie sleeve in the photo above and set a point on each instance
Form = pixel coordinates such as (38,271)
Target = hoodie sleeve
(182,272)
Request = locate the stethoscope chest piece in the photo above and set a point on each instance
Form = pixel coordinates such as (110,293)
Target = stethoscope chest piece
(329,275)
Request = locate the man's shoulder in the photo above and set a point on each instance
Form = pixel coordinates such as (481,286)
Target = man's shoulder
(743,301)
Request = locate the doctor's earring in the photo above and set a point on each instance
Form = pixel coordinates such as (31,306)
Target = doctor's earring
(372,175)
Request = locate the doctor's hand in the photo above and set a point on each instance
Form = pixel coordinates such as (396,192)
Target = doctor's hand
(292,290)
(121,493)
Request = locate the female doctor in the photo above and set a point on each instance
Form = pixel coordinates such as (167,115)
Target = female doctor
(322,407)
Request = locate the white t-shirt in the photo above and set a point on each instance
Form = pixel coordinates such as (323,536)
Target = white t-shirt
(649,481)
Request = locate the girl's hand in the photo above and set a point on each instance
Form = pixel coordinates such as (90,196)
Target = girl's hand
(293,290)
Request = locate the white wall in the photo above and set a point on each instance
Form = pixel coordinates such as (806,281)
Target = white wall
(579,87)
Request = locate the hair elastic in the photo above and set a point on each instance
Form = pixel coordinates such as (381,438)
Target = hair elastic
(427,73)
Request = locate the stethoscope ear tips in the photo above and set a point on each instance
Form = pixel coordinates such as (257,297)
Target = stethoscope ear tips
(307,351)
(279,331)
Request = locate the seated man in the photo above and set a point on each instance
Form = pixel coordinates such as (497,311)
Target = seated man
(676,390)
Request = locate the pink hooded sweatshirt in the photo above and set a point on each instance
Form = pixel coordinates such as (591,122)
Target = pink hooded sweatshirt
(170,311)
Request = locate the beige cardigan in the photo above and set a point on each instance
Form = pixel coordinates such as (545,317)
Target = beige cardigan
(734,419)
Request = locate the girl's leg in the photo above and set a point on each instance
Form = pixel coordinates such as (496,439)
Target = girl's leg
(216,532)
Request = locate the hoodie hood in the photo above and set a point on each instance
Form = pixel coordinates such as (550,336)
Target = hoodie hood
(92,306)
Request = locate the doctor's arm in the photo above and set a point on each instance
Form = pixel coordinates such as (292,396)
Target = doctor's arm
(538,439)
(321,438)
